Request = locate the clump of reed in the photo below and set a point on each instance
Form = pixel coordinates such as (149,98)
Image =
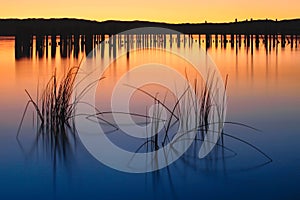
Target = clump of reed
(202,100)
(207,102)
(54,108)
(197,98)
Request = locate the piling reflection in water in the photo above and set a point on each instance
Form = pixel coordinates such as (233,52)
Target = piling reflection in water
(72,45)
(23,46)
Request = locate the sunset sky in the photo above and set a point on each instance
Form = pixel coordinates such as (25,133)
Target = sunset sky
(172,11)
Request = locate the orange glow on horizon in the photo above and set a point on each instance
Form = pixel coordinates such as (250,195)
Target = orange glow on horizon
(175,11)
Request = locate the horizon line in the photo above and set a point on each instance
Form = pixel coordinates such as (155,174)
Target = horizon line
(163,22)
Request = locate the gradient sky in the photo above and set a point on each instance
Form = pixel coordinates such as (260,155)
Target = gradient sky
(173,11)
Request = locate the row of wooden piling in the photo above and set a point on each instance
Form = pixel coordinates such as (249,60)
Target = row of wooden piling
(85,43)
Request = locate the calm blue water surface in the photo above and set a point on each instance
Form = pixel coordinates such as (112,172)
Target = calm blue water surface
(263,92)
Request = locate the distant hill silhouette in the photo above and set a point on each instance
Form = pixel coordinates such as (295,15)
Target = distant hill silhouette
(10,27)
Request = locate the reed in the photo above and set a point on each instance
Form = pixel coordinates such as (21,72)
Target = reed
(199,100)
(55,109)
(209,116)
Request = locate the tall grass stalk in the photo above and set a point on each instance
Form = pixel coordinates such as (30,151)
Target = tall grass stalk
(54,108)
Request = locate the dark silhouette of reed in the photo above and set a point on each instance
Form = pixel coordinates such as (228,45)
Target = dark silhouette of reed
(203,97)
(55,120)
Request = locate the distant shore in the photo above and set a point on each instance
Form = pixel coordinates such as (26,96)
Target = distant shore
(65,26)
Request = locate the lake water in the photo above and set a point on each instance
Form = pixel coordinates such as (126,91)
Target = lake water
(262,91)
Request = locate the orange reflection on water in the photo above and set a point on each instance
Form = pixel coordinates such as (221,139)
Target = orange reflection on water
(259,79)
(138,58)
(264,82)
